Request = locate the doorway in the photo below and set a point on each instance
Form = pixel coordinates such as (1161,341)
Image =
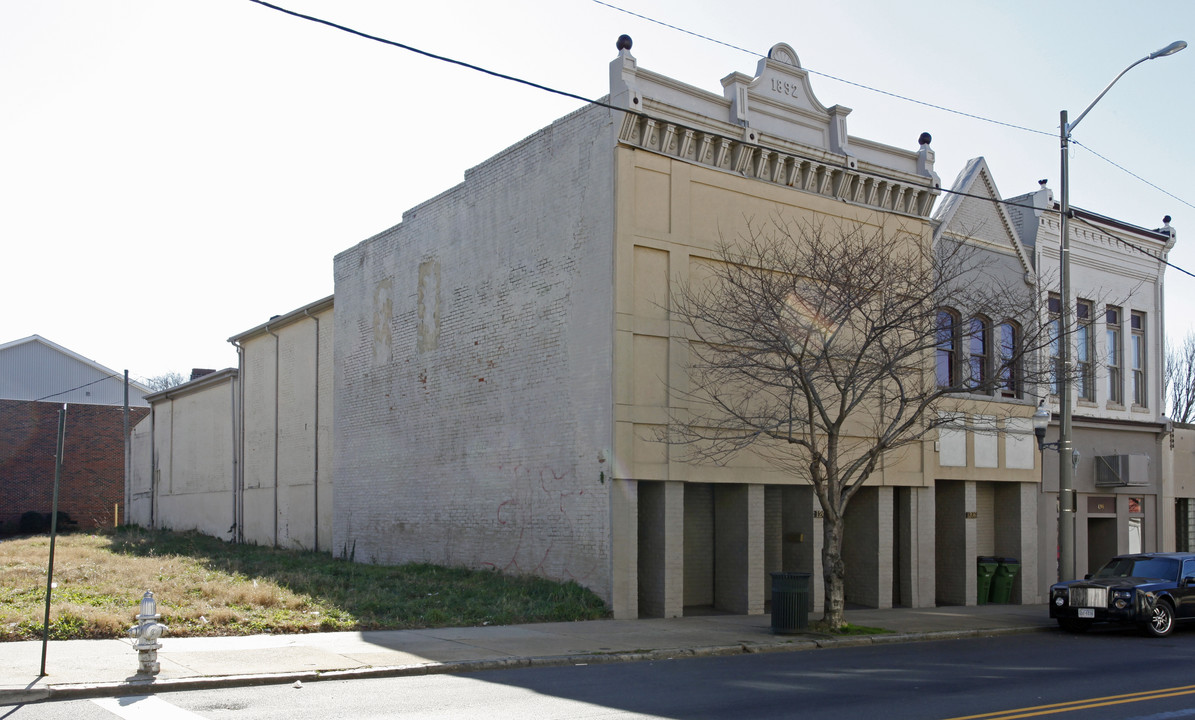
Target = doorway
(1101,541)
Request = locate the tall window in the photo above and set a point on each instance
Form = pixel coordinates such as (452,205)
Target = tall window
(1084,351)
(1007,369)
(1055,331)
(946,359)
(1137,327)
(1115,356)
(977,352)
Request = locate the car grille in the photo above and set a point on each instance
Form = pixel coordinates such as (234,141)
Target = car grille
(1088,597)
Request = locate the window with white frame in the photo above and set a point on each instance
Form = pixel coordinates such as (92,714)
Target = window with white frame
(978,361)
(1137,351)
(946,355)
(1114,355)
(1008,383)
(1084,351)
(1054,328)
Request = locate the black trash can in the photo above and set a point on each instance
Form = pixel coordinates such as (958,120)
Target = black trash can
(790,602)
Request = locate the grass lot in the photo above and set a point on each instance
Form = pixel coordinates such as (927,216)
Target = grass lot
(207,587)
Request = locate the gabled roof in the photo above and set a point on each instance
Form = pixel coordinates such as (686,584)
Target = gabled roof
(71,354)
(280,320)
(974,191)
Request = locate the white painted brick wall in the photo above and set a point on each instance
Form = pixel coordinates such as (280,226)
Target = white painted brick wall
(473,400)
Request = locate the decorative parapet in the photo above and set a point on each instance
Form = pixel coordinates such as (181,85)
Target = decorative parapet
(828,177)
(770,128)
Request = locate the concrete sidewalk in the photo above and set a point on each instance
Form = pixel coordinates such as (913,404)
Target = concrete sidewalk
(99,668)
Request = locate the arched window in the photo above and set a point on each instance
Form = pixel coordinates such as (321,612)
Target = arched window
(946,361)
(1008,367)
(978,359)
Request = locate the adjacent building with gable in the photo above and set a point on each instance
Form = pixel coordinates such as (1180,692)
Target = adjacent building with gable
(1125,499)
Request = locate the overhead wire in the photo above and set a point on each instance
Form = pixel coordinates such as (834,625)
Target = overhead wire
(80,387)
(1132,174)
(1131,245)
(894,95)
(641,114)
(565,93)
(826,75)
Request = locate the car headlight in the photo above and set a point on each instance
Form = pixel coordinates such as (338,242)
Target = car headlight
(1059,601)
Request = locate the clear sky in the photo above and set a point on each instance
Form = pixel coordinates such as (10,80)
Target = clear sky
(173,173)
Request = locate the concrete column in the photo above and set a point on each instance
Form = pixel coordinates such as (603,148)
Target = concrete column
(739,548)
(624,512)
(803,539)
(954,507)
(1016,536)
(923,551)
(1165,526)
(1047,539)
(868,547)
(661,549)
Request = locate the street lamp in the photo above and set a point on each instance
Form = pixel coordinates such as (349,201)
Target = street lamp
(1066,499)
(1041,420)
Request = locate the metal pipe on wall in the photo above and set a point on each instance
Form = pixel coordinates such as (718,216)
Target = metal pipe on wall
(232,407)
(315,442)
(128,455)
(238,480)
(277,429)
(153,464)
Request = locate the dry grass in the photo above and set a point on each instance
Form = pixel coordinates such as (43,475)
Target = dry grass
(208,587)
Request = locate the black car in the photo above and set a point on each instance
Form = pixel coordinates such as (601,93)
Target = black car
(1151,590)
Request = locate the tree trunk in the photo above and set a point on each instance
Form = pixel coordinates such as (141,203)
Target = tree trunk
(833,572)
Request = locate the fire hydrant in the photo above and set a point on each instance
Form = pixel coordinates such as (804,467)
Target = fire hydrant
(145,636)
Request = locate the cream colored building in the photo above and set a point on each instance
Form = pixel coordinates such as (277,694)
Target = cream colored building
(504,359)
(245,453)
(185,459)
(505,355)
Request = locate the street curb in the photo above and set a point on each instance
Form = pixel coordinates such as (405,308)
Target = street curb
(797,643)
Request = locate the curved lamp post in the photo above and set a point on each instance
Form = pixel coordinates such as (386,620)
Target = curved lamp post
(1066,493)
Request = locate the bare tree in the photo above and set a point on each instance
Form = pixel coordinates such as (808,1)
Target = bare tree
(1180,381)
(815,348)
(165,381)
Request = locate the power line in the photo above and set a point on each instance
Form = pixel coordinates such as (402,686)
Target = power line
(1134,246)
(893,95)
(80,387)
(425,53)
(564,93)
(1133,174)
(641,114)
(827,75)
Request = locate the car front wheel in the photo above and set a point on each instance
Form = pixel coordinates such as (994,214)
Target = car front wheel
(1161,620)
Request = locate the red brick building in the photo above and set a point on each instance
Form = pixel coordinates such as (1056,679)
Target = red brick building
(37,377)
(91,488)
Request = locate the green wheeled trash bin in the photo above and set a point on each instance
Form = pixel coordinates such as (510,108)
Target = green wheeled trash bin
(790,602)
(985,568)
(1006,572)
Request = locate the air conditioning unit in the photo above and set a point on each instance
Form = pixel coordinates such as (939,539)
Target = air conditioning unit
(1121,470)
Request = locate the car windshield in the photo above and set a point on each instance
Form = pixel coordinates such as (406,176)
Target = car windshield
(1142,567)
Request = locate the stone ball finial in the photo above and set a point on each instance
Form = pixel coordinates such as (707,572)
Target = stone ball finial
(925,139)
(624,43)
(1166,219)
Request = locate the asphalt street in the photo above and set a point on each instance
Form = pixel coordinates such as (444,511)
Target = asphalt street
(1107,674)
